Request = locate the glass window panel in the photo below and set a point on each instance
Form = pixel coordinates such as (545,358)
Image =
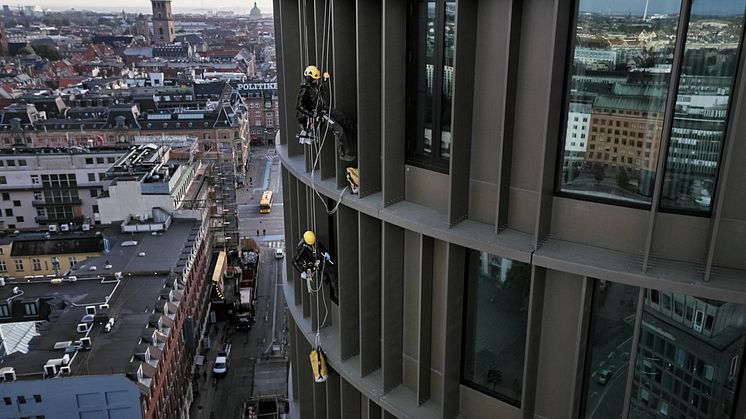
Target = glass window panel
(426,31)
(708,69)
(697,353)
(496,320)
(619,82)
(449,36)
(609,343)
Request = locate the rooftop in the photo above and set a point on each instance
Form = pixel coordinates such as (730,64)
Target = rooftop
(142,301)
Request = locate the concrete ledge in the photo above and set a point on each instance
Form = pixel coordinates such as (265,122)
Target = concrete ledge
(571,257)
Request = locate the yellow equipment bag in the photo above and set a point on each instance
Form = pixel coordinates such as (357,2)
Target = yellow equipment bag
(353,178)
(318,365)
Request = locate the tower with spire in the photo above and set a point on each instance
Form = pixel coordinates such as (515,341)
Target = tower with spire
(163,22)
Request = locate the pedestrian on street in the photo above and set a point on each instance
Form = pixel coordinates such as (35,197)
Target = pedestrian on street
(257,232)
(264,232)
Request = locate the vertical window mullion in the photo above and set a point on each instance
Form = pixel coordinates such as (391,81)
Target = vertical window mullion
(632,364)
(438,78)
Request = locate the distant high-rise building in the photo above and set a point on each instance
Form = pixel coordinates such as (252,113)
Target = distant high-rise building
(163,22)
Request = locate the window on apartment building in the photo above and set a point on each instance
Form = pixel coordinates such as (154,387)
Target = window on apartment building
(94,193)
(16,203)
(431,34)
(8,212)
(35,179)
(36,263)
(91,177)
(3,266)
(3,180)
(6,196)
(21,162)
(19,264)
(19,219)
(495,324)
(30,308)
(635,94)
(89,160)
(110,160)
(99,160)
(10,163)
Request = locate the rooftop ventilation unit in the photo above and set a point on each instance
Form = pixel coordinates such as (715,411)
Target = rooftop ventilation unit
(86,227)
(82,327)
(50,370)
(86,343)
(90,310)
(9,374)
(103,306)
(65,227)
(65,370)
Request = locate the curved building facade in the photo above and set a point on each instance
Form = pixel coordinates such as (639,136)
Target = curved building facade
(551,221)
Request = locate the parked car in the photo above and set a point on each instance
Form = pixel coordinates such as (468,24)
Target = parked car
(703,200)
(222,361)
(604,376)
(279,253)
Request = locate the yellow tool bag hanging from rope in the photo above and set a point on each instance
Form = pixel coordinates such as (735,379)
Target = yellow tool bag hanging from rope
(318,365)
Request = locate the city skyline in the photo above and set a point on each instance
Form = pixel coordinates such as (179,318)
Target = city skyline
(179,6)
(657,7)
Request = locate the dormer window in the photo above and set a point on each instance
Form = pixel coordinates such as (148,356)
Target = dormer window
(30,308)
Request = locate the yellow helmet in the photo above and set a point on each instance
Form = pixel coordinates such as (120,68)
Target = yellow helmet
(309,238)
(313,72)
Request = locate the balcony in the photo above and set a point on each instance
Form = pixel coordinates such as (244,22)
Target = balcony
(41,218)
(66,201)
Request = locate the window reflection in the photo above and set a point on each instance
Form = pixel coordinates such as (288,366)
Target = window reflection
(447,98)
(688,359)
(707,73)
(426,34)
(620,76)
(496,320)
(609,344)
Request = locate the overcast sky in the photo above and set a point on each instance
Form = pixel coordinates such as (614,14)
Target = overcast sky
(636,7)
(241,7)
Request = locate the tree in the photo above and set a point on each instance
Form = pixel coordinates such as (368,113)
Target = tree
(48,52)
(599,173)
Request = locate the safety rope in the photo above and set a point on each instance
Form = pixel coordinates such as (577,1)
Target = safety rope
(316,149)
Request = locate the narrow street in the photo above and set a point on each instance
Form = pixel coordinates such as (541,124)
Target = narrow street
(225,397)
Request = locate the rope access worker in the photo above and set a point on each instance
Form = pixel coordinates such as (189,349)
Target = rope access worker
(311,257)
(312,109)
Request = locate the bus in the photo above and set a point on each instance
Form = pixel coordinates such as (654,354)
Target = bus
(265,205)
